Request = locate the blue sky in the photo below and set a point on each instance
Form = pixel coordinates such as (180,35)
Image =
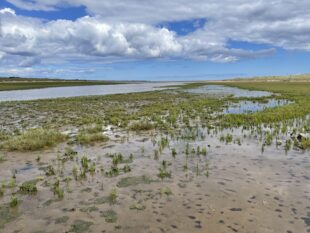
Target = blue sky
(153,41)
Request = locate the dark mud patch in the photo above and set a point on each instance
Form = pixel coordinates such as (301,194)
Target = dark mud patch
(80,226)
(110,216)
(133,181)
(7,215)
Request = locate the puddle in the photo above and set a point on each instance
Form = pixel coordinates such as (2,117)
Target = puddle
(251,106)
(224,91)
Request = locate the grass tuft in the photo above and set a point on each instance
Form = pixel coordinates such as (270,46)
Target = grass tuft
(34,139)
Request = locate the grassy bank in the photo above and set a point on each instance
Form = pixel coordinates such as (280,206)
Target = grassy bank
(298,92)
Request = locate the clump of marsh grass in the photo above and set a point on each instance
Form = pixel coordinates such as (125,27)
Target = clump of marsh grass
(287,145)
(126,168)
(29,187)
(114,171)
(173,152)
(91,138)
(305,143)
(13,201)
(112,196)
(163,173)
(50,171)
(33,139)
(142,126)
(58,191)
(69,154)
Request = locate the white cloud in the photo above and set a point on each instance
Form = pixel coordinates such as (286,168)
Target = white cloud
(127,30)
(27,41)
(7,11)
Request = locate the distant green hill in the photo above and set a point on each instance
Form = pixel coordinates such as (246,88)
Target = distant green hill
(302,77)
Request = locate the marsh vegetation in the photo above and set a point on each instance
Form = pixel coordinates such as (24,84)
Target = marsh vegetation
(156,160)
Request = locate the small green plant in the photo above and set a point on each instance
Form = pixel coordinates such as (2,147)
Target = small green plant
(117,158)
(58,190)
(114,171)
(84,162)
(29,187)
(187,149)
(198,150)
(75,172)
(70,153)
(239,141)
(185,166)
(11,184)
(50,171)
(173,152)
(92,168)
(207,170)
(13,201)
(112,197)
(288,145)
(163,173)
(305,143)
(204,151)
(126,168)
(228,138)
(83,174)
(268,139)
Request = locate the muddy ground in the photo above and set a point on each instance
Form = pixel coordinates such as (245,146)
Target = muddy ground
(234,188)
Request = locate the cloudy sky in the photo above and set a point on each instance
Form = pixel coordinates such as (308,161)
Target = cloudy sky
(154,39)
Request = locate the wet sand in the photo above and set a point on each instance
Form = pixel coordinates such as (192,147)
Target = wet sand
(235,189)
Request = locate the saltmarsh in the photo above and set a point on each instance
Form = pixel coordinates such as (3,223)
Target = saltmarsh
(167,111)
(164,160)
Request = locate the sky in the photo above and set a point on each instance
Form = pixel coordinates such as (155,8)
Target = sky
(154,40)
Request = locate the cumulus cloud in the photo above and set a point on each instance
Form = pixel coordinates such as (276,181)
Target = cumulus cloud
(7,11)
(27,41)
(128,30)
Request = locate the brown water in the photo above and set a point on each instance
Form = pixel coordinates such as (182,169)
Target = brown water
(245,190)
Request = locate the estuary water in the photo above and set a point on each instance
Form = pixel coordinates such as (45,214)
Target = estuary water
(59,92)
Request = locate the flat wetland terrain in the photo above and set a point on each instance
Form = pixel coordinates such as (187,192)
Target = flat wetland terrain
(231,156)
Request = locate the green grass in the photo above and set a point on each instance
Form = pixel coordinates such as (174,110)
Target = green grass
(29,187)
(305,144)
(91,138)
(298,92)
(33,139)
(167,111)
